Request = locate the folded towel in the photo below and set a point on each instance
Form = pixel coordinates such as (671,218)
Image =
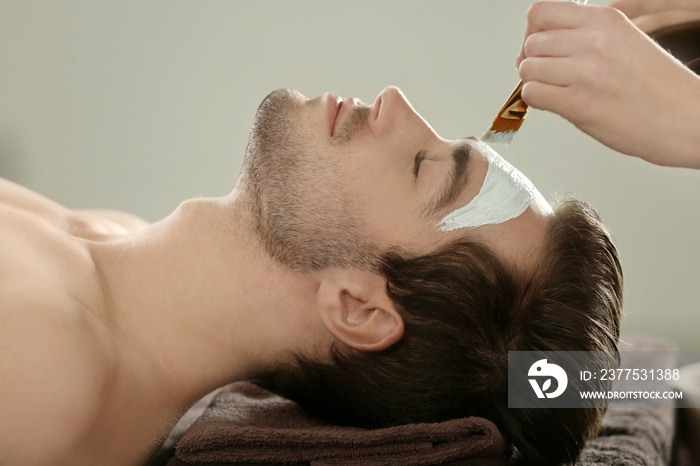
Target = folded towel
(637,436)
(633,437)
(641,435)
(248,425)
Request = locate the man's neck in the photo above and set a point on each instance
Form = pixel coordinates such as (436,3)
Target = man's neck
(196,299)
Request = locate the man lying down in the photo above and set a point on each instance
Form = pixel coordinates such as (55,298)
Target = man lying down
(362,265)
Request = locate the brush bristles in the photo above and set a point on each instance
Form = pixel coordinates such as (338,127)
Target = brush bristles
(509,118)
(502,131)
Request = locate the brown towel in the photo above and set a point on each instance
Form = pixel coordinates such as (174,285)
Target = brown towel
(633,437)
(248,425)
(637,436)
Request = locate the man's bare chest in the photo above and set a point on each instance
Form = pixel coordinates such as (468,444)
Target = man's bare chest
(45,245)
(37,253)
(46,249)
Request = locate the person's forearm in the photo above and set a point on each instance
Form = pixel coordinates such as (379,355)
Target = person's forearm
(652,15)
(636,8)
(683,136)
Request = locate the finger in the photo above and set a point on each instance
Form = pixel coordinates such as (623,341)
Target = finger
(548,70)
(555,43)
(547,97)
(544,16)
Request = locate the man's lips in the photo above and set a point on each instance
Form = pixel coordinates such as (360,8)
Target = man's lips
(337,108)
(334,102)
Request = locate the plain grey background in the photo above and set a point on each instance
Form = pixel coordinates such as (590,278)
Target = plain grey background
(137,106)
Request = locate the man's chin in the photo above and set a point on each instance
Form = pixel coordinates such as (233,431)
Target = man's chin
(284,95)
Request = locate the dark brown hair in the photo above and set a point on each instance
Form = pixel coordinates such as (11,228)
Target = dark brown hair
(463,310)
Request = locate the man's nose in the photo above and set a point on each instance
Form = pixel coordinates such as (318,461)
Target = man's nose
(393,100)
(395,112)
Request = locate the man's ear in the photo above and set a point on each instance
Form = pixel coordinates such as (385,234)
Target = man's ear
(355,308)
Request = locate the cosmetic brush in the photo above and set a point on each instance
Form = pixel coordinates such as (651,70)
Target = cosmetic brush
(508,120)
(510,117)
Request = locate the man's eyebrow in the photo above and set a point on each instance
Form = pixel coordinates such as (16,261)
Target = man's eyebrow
(457,179)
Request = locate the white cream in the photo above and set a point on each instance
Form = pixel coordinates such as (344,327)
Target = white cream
(505,194)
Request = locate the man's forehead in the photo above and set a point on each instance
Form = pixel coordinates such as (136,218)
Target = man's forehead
(504,194)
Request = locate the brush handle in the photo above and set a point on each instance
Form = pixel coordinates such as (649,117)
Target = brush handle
(515,108)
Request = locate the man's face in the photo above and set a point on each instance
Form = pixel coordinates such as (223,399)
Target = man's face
(334,182)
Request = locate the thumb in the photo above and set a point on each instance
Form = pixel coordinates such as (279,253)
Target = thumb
(636,8)
(631,8)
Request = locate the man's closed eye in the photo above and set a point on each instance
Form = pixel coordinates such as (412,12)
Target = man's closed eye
(420,156)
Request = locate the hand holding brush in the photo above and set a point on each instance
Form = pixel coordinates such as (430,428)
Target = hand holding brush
(593,66)
(511,116)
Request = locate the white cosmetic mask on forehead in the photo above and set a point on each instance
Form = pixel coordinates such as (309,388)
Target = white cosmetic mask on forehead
(505,194)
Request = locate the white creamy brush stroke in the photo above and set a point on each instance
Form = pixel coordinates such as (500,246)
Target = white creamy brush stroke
(505,194)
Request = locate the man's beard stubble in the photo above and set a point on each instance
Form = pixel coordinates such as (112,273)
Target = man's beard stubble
(303,217)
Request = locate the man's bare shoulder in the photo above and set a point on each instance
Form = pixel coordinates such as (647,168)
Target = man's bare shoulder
(53,373)
(124,220)
(79,221)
